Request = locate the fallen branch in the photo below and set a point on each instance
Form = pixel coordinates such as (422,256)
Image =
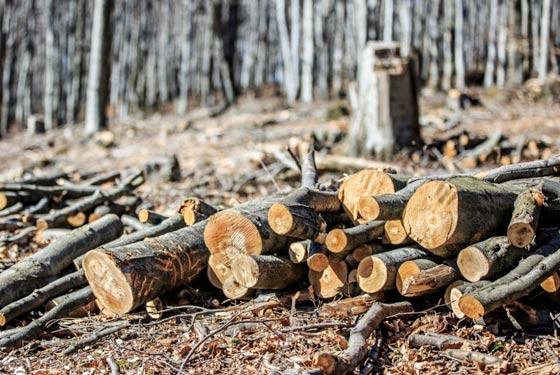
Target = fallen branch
(471,356)
(38,269)
(349,359)
(438,340)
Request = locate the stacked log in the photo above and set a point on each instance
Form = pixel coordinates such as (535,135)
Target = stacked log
(424,236)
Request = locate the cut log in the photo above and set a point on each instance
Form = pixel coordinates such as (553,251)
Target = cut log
(42,295)
(438,341)
(317,259)
(379,272)
(218,272)
(297,221)
(233,290)
(194,210)
(387,206)
(538,168)
(368,182)
(134,223)
(518,283)
(125,277)
(168,225)
(150,217)
(60,217)
(552,283)
(341,242)
(330,281)
(10,198)
(266,271)
(349,359)
(426,280)
(525,218)
(348,307)
(39,269)
(488,259)
(395,234)
(70,302)
(299,251)
(442,216)
(459,288)
(470,158)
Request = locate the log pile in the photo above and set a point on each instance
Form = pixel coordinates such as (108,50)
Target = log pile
(481,240)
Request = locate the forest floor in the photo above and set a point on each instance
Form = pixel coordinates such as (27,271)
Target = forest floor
(226,160)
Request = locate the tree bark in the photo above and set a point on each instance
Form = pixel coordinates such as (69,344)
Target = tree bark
(525,218)
(519,282)
(99,67)
(489,258)
(40,268)
(425,279)
(125,277)
(379,272)
(442,216)
(456,290)
(543,47)
(343,241)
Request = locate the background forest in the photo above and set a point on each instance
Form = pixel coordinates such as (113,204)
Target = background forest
(184,53)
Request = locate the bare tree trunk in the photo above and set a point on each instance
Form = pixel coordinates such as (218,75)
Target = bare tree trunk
(459,57)
(502,40)
(182,102)
(289,75)
(405,20)
(336,86)
(307,58)
(491,57)
(99,67)
(294,40)
(388,20)
(447,52)
(543,48)
(49,66)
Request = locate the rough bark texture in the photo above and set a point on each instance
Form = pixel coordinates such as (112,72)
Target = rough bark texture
(38,269)
(41,295)
(525,218)
(442,216)
(350,358)
(379,272)
(428,280)
(266,271)
(343,241)
(125,277)
(489,258)
(519,282)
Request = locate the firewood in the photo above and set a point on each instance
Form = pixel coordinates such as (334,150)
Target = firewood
(525,217)
(217,271)
(36,192)
(317,258)
(10,198)
(39,269)
(133,223)
(70,302)
(266,271)
(154,308)
(552,283)
(442,216)
(395,234)
(489,258)
(118,275)
(194,210)
(368,182)
(41,295)
(387,206)
(233,290)
(349,359)
(60,217)
(150,217)
(298,251)
(456,290)
(416,278)
(297,221)
(12,209)
(347,307)
(518,283)
(379,272)
(341,242)
(538,168)
(470,158)
(438,340)
(330,281)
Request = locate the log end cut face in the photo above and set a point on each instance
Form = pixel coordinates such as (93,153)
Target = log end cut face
(372,274)
(232,230)
(431,215)
(3,201)
(454,298)
(245,270)
(367,182)
(520,234)
(368,208)
(471,307)
(336,240)
(405,270)
(280,219)
(473,264)
(108,283)
(329,282)
(232,289)
(552,283)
